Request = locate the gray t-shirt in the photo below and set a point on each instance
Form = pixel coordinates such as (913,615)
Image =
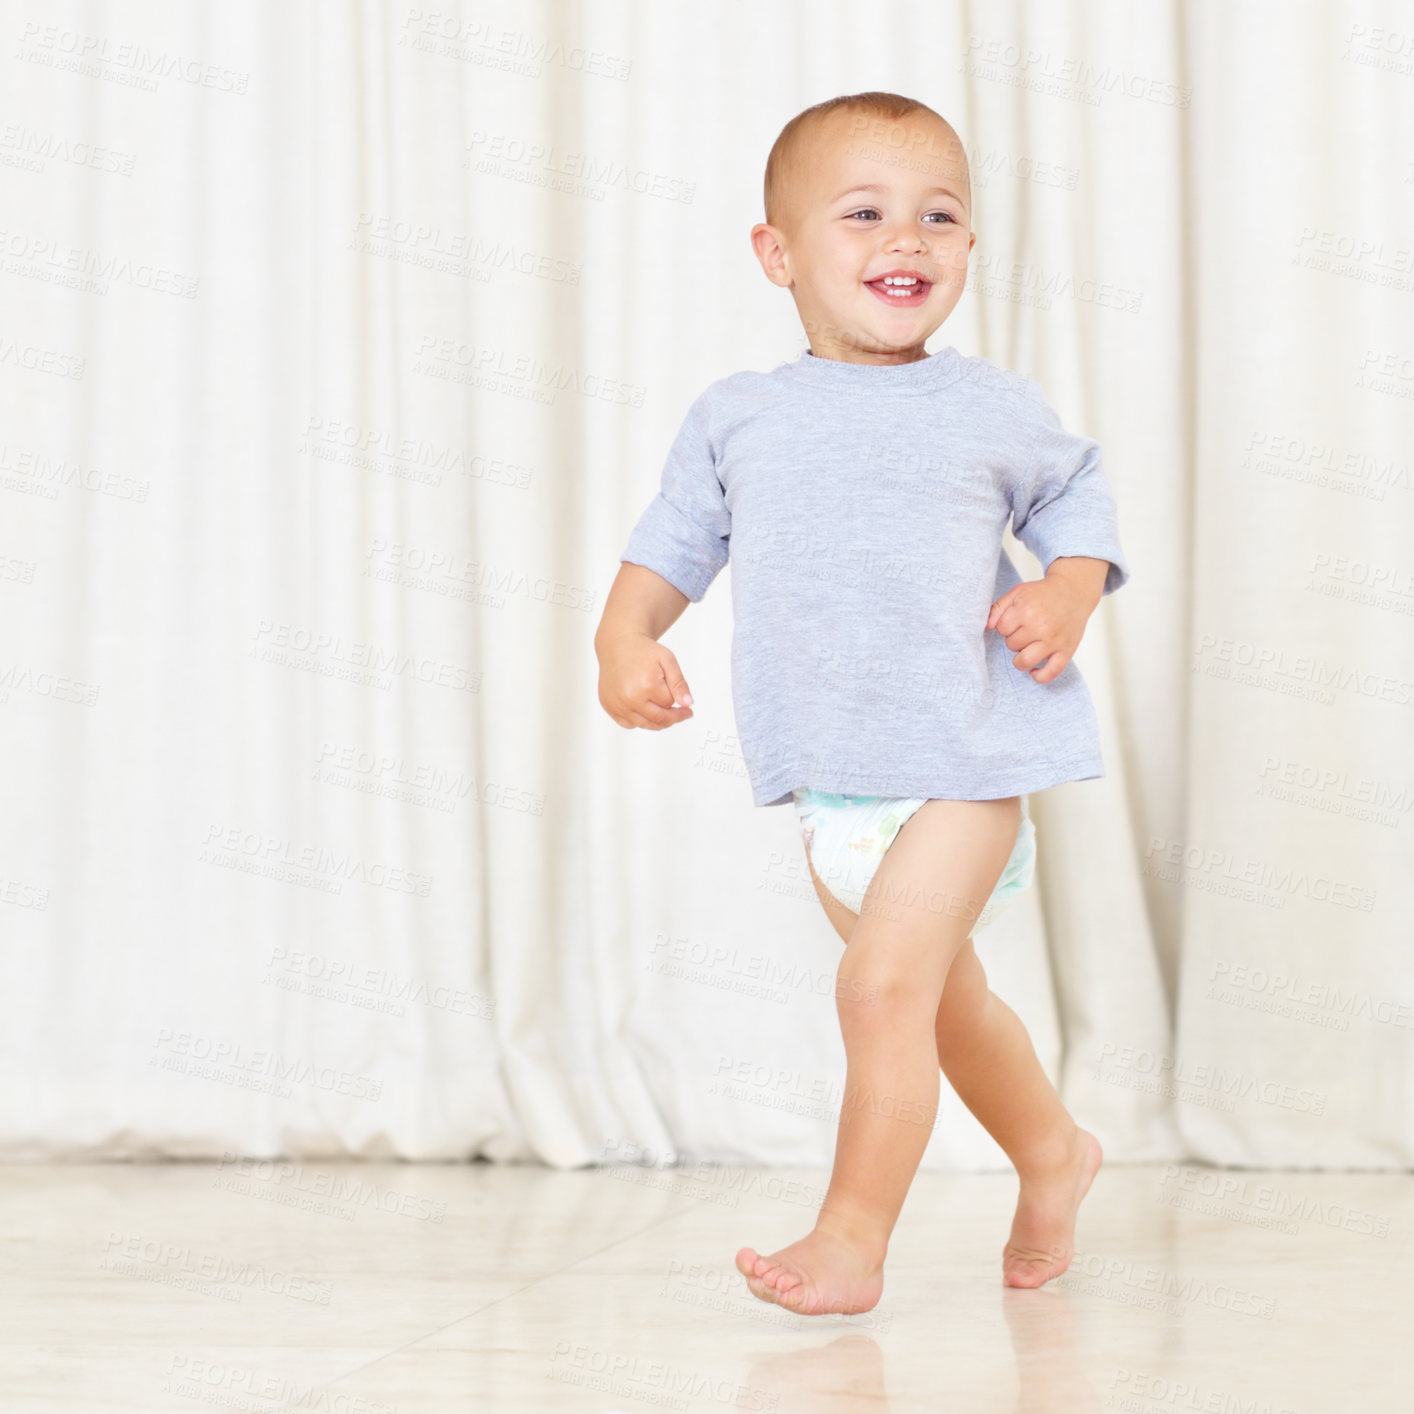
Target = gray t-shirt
(863,507)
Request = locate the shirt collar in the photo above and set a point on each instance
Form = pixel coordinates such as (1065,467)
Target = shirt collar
(921,376)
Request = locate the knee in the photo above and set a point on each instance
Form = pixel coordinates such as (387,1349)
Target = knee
(882,999)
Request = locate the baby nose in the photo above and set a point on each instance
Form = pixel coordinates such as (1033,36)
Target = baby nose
(905,238)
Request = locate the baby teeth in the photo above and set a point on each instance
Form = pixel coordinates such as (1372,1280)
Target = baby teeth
(900,286)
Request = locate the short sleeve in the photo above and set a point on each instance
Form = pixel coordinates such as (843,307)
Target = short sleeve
(683,534)
(1061,504)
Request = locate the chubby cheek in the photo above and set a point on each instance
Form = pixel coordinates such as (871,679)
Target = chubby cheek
(952,263)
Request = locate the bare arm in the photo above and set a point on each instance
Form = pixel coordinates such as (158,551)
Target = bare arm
(1086,573)
(640,601)
(640,682)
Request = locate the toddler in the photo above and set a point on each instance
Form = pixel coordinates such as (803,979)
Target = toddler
(892,676)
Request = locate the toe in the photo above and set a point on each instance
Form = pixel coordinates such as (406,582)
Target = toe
(1020,1276)
(746,1261)
(1022,1268)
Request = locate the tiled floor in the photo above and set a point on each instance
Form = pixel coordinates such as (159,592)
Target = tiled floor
(362,1289)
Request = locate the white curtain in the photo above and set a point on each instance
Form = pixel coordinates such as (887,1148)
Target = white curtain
(340,347)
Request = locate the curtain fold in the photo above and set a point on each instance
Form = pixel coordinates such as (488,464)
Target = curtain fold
(339,352)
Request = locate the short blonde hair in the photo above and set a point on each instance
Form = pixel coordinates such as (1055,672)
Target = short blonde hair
(787,147)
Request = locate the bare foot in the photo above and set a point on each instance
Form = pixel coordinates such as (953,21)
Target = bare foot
(821,1274)
(1042,1238)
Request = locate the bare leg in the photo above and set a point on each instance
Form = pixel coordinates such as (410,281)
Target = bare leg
(928,889)
(989,1060)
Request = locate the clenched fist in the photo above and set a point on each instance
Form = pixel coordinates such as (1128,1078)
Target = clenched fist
(1043,620)
(640,683)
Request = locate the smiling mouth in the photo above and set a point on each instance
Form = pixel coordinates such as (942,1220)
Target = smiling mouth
(897,289)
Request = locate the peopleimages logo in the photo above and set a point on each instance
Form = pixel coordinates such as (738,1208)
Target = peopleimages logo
(1140,1069)
(331,654)
(135,64)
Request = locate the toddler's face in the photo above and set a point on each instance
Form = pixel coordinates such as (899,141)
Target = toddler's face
(869,198)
